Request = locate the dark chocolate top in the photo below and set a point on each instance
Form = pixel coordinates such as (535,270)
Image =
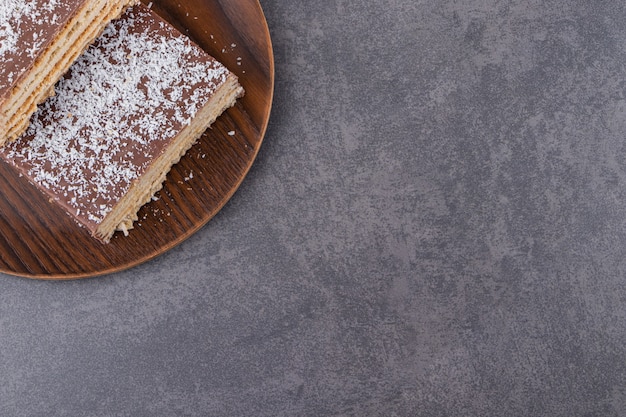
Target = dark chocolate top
(27,27)
(115,112)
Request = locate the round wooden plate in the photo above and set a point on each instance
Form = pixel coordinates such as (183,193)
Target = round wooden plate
(39,240)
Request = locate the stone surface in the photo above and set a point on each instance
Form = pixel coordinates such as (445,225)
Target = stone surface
(435,226)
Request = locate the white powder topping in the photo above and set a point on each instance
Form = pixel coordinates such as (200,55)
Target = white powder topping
(23,28)
(114,113)
(11,14)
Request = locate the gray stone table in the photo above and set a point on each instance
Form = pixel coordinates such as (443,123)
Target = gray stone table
(435,226)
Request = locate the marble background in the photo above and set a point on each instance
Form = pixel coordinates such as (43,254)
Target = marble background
(435,226)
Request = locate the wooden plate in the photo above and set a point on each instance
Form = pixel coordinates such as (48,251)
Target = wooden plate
(39,240)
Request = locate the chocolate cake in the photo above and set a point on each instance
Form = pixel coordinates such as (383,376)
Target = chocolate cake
(39,40)
(125,112)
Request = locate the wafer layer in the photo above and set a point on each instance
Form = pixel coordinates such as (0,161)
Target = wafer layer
(39,40)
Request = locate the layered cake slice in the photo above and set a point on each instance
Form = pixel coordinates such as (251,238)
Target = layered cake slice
(39,40)
(126,111)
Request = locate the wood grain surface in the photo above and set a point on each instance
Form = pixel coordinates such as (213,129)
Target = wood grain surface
(39,240)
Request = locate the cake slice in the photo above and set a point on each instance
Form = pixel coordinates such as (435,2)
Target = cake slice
(125,112)
(39,40)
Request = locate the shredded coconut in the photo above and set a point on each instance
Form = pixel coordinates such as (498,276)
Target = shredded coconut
(16,16)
